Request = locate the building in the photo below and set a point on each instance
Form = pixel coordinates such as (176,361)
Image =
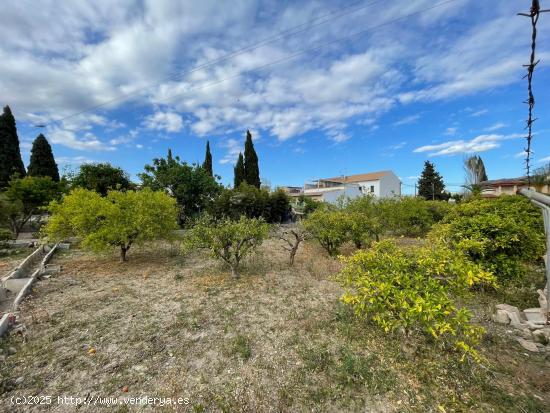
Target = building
(510,186)
(381,184)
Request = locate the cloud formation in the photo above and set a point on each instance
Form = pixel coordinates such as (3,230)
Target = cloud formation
(480,143)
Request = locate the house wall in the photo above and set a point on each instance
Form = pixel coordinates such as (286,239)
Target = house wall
(349,191)
(387,186)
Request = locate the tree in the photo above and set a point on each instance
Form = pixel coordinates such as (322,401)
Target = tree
(193,188)
(329,228)
(251,168)
(10,155)
(292,238)
(239,172)
(430,184)
(120,219)
(475,173)
(101,178)
(42,161)
(207,164)
(25,197)
(228,240)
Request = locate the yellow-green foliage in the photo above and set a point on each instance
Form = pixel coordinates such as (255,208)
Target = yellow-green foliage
(120,219)
(415,290)
(499,234)
(228,240)
(328,227)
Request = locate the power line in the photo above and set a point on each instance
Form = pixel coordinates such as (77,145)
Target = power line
(301,28)
(303,51)
(287,58)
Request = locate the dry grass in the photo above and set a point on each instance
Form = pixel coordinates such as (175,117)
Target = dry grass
(276,339)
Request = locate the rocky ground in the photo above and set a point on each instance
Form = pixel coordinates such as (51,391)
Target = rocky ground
(277,339)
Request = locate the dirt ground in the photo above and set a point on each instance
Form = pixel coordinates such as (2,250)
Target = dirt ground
(275,340)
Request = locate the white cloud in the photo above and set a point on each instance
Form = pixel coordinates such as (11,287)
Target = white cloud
(87,142)
(480,112)
(450,131)
(407,120)
(480,143)
(233,148)
(496,126)
(167,121)
(547,159)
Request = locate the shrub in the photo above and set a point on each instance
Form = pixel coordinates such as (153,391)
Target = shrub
(500,234)
(120,219)
(414,291)
(249,201)
(228,240)
(26,197)
(329,228)
(5,237)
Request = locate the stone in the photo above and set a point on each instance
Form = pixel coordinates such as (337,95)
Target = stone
(528,345)
(543,301)
(19,380)
(501,317)
(12,350)
(513,313)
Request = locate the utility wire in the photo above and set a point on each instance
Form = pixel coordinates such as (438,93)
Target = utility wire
(301,28)
(310,49)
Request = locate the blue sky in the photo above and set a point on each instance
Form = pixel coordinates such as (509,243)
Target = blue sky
(437,85)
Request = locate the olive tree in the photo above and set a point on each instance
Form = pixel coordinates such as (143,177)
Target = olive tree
(121,219)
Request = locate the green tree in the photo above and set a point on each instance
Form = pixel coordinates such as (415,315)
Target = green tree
(251,168)
(207,164)
(27,196)
(228,240)
(430,184)
(239,172)
(101,178)
(10,155)
(192,186)
(329,228)
(120,219)
(42,161)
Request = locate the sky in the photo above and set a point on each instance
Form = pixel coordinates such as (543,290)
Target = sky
(326,88)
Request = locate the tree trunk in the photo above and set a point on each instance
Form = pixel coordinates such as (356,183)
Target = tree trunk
(123,251)
(234,272)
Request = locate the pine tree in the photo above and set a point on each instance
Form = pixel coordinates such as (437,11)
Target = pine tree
(251,168)
(10,155)
(207,165)
(239,171)
(430,184)
(42,161)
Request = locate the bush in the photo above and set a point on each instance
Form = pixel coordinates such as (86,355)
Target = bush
(251,202)
(228,240)
(5,237)
(329,228)
(500,234)
(414,291)
(120,219)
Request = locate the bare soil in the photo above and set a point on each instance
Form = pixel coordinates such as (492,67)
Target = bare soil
(275,340)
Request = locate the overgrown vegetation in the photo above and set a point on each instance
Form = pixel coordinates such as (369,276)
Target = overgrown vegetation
(502,235)
(415,291)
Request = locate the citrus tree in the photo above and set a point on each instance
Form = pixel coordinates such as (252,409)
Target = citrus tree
(329,228)
(415,291)
(121,219)
(228,240)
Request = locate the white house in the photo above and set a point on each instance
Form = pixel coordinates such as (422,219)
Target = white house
(381,184)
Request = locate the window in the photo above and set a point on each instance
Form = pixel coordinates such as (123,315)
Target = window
(372,189)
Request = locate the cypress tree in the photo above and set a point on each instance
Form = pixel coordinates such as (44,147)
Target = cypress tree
(10,155)
(207,165)
(430,184)
(239,171)
(42,161)
(251,168)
